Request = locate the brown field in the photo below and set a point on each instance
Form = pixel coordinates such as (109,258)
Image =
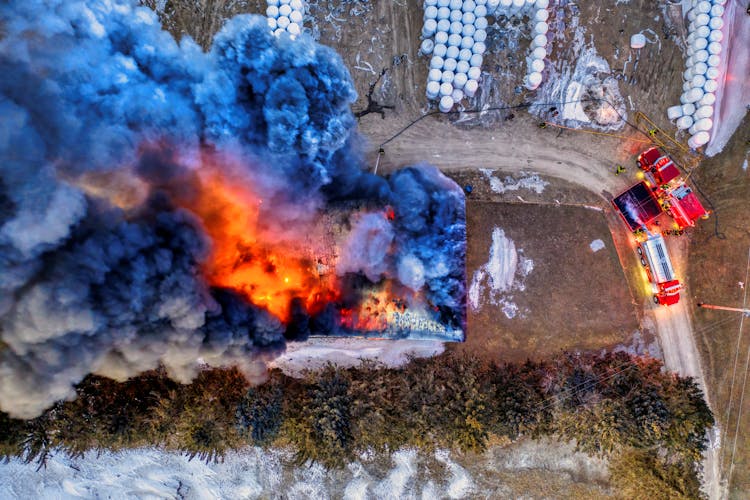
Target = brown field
(716,266)
(574,298)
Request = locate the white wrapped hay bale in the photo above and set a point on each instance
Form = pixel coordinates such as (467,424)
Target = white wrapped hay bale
(426,47)
(297,17)
(688,109)
(470,88)
(708,99)
(429,28)
(702,125)
(460,80)
(446,89)
(674,112)
(533,80)
(698,140)
(703,112)
(638,41)
(539,41)
(684,122)
(446,103)
(541,28)
(712,73)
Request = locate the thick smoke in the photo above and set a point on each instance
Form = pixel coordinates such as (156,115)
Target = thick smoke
(106,127)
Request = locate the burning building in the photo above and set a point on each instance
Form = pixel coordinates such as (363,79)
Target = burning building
(162,206)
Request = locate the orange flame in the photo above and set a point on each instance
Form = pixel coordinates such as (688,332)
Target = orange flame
(246,256)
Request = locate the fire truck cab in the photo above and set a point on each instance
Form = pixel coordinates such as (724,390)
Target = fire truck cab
(658,167)
(655,260)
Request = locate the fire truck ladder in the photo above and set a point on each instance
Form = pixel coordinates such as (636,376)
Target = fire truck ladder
(674,148)
(746,312)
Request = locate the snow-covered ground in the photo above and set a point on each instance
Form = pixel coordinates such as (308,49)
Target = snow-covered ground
(596,245)
(530,181)
(502,274)
(315,353)
(251,473)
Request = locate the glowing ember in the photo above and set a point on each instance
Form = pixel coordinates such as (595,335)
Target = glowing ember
(269,269)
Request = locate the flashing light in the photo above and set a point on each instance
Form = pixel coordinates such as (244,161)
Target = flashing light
(641,175)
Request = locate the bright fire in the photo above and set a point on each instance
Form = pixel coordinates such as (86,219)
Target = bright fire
(246,256)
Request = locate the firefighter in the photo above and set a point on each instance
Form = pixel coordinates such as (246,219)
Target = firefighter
(542,124)
(620,169)
(652,132)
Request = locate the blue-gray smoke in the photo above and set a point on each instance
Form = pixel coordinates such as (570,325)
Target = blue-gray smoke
(88,285)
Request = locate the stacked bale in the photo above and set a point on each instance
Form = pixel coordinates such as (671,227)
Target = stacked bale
(286,16)
(702,74)
(537,12)
(454,35)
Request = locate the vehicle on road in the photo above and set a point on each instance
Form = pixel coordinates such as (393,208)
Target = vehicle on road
(655,260)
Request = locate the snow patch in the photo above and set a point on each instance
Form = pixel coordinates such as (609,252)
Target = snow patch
(460,484)
(316,352)
(497,277)
(531,182)
(596,245)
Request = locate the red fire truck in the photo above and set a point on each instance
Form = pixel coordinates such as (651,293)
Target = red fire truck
(676,198)
(655,260)
(659,168)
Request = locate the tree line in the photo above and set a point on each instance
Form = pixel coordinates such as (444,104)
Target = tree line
(649,423)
